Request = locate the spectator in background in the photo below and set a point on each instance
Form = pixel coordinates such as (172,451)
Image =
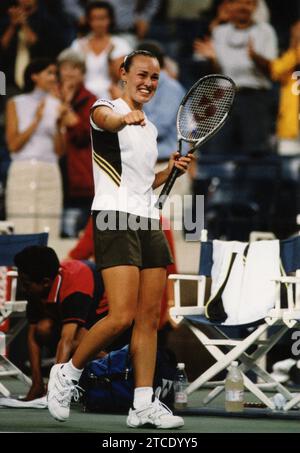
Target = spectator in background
(35,139)
(77,101)
(222,15)
(133,17)
(189,21)
(239,49)
(74,10)
(69,17)
(282,70)
(63,303)
(103,52)
(27,31)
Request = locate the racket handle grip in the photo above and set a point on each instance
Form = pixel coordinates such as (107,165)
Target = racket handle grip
(167,188)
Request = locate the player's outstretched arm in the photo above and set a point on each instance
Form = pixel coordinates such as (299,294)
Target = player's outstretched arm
(108,120)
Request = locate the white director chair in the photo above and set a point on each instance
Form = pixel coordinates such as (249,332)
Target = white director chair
(216,337)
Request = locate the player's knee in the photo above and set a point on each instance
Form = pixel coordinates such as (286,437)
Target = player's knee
(43,330)
(150,319)
(123,322)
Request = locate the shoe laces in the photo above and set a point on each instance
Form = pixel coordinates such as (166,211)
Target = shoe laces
(69,391)
(159,409)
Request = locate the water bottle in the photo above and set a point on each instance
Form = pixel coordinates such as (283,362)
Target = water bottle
(2,344)
(180,386)
(234,389)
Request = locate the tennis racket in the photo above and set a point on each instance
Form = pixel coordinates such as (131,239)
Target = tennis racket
(201,114)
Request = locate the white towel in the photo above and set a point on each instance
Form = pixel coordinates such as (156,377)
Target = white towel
(259,291)
(39,403)
(249,292)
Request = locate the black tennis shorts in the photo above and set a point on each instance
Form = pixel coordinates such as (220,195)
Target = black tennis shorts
(125,239)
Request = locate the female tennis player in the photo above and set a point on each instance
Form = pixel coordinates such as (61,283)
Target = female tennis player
(133,258)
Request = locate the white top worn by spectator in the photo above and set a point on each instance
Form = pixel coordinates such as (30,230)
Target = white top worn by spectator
(231,45)
(40,146)
(97,77)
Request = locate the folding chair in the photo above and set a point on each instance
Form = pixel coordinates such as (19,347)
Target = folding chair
(10,245)
(291,314)
(217,337)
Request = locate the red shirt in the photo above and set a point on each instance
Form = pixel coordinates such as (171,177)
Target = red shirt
(84,249)
(78,144)
(73,297)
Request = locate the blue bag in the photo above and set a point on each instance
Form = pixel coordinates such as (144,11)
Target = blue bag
(109,385)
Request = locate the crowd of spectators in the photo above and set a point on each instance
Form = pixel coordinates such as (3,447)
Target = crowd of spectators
(70,52)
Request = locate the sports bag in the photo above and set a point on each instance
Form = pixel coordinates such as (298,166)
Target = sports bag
(108,383)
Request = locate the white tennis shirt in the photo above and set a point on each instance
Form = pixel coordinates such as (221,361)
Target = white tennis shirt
(123,165)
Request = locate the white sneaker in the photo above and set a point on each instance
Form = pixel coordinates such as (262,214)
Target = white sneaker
(281,370)
(156,414)
(284,366)
(61,389)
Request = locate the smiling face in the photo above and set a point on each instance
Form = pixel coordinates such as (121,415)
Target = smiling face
(46,79)
(141,80)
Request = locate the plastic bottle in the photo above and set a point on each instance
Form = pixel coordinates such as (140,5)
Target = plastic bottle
(180,385)
(2,344)
(234,389)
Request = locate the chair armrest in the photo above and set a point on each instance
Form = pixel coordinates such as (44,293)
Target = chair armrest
(177,311)
(17,305)
(10,306)
(189,311)
(198,278)
(293,302)
(293,280)
(12,274)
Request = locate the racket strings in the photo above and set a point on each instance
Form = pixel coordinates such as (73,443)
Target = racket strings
(205,108)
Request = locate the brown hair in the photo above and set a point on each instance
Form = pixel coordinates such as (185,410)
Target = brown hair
(128,60)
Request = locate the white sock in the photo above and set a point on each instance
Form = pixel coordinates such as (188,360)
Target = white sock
(71,371)
(142,397)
